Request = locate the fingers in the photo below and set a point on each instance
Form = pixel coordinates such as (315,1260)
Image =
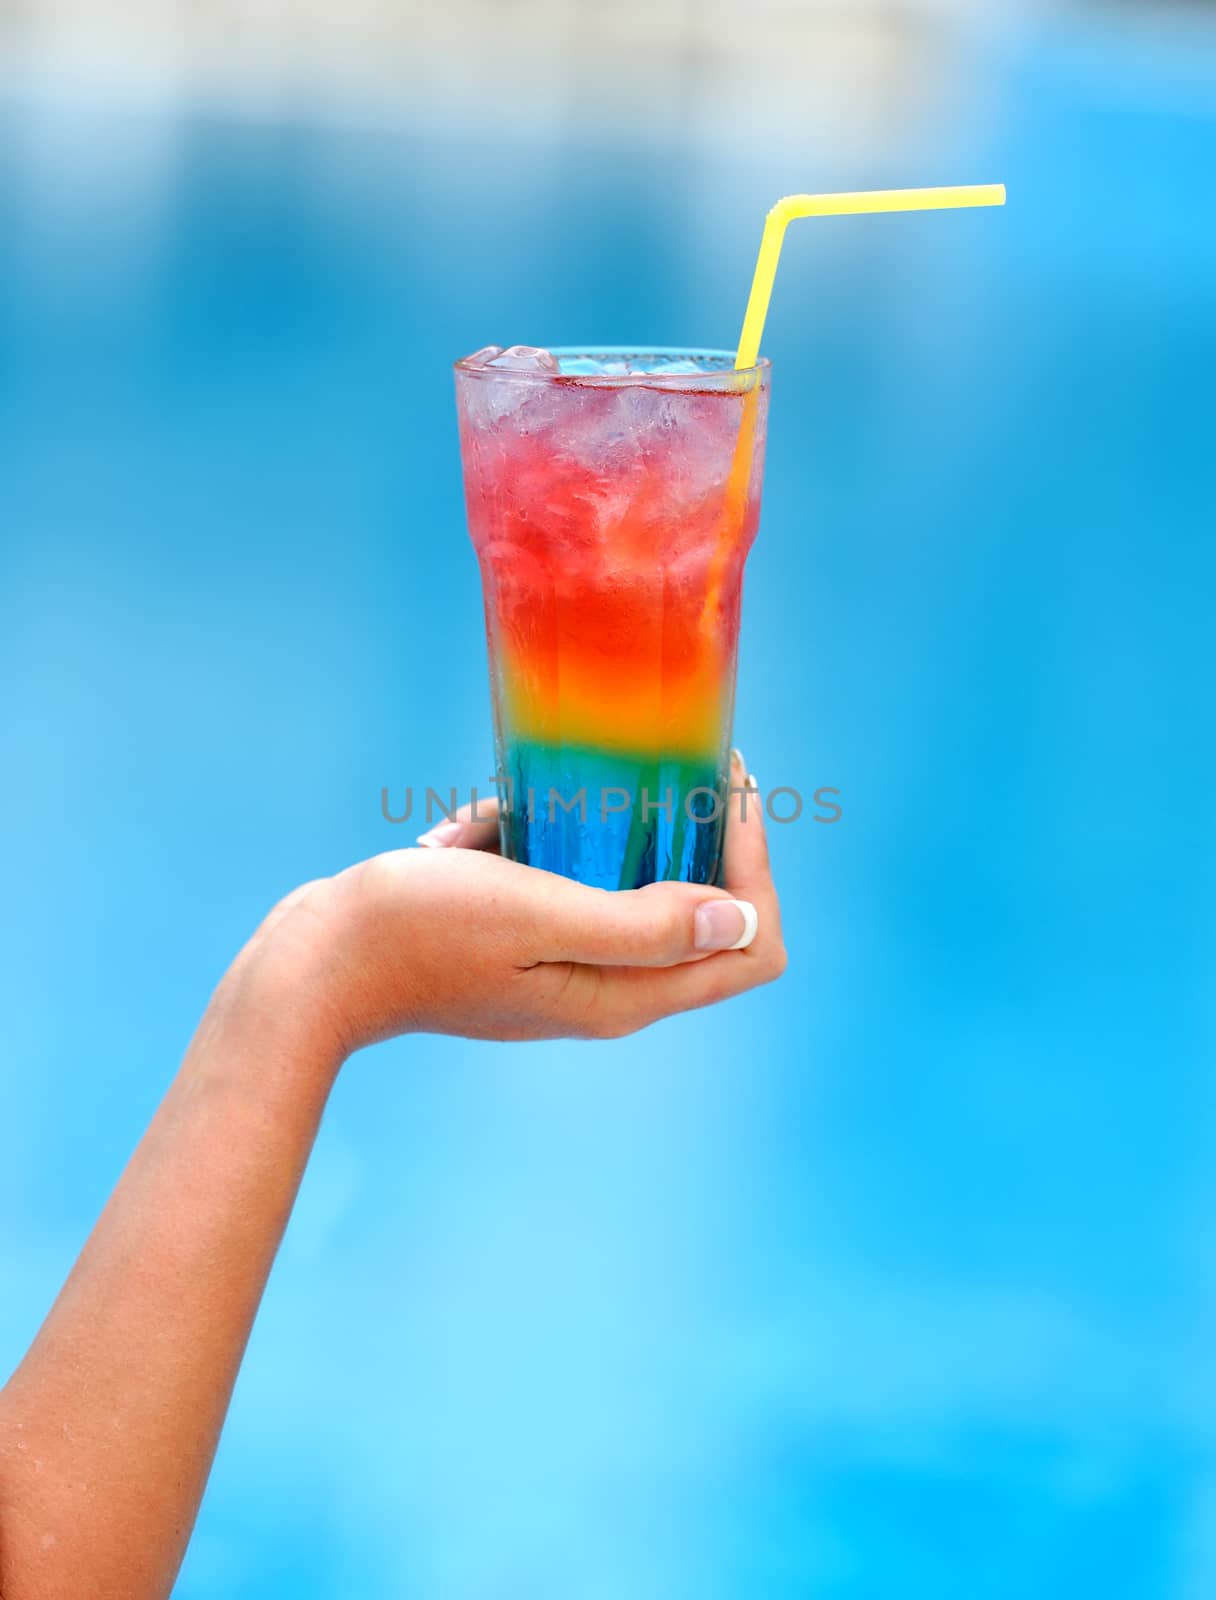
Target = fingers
(629,998)
(745,854)
(472,827)
(463,941)
(604,964)
(658,926)
(662,925)
(745,866)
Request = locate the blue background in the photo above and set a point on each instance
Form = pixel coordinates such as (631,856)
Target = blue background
(895,1280)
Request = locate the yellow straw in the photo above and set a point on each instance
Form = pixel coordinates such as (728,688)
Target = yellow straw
(839,205)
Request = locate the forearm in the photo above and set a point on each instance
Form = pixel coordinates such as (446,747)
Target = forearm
(108,1428)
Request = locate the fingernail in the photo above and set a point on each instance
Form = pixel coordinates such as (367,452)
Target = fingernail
(736,759)
(725,925)
(751,782)
(440,836)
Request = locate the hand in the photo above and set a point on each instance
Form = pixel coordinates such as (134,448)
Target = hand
(454,939)
(106,1433)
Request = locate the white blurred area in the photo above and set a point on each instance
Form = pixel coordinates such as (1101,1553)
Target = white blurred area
(710,71)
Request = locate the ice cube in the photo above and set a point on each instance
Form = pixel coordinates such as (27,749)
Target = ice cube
(483,357)
(671,369)
(525,358)
(581,367)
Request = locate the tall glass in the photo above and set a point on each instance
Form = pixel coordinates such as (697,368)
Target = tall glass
(612,512)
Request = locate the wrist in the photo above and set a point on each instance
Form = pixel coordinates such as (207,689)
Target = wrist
(328,968)
(284,998)
(259,1044)
(280,1015)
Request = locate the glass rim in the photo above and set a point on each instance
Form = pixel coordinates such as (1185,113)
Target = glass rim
(725,377)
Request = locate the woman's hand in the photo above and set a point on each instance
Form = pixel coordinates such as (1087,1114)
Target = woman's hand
(453,939)
(108,1427)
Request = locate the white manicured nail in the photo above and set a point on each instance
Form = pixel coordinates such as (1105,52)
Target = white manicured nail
(440,836)
(725,925)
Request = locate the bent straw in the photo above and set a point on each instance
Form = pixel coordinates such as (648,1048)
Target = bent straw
(839,205)
(738,481)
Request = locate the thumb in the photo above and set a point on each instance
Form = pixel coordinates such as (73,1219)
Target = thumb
(658,926)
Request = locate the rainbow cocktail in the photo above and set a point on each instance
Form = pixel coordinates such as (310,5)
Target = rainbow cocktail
(612,499)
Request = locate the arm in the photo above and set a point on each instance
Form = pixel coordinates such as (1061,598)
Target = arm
(109,1426)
